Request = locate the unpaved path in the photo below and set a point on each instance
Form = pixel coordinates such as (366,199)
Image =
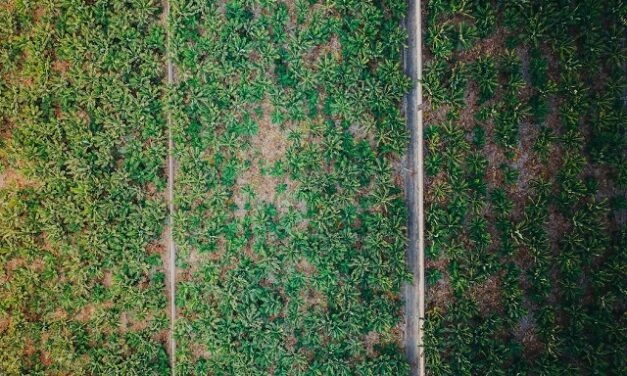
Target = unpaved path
(414,292)
(169,258)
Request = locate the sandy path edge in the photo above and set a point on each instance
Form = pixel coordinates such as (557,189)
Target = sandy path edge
(414,186)
(169,258)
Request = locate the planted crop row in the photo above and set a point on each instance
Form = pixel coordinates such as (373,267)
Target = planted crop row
(291,221)
(81,174)
(526,188)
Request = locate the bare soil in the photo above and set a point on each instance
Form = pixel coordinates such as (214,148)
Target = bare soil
(10,177)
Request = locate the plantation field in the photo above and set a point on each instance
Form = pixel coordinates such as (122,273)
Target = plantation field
(291,221)
(224,187)
(81,181)
(525,194)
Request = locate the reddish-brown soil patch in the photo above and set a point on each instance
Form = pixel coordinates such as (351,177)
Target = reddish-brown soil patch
(270,140)
(313,298)
(440,294)
(488,295)
(107,279)
(199,351)
(526,333)
(370,341)
(305,267)
(61,66)
(139,325)
(86,313)
(490,46)
(8,5)
(45,358)
(12,178)
(5,323)
(268,146)
(59,315)
(123,326)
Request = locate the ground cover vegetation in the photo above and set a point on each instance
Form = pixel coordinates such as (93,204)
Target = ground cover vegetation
(81,174)
(290,221)
(525,198)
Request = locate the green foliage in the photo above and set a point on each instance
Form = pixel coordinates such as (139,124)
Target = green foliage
(290,220)
(525,188)
(82,152)
(485,74)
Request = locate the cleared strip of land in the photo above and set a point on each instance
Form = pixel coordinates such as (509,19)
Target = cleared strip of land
(414,291)
(170,266)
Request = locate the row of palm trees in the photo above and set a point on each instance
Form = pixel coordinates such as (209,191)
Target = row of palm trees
(303,274)
(82,125)
(526,231)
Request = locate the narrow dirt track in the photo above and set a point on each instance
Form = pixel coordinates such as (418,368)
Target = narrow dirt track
(170,259)
(414,292)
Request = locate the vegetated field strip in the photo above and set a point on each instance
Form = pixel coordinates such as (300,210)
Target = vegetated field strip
(290,214)
(290,220)
(82,156)
(527,176)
